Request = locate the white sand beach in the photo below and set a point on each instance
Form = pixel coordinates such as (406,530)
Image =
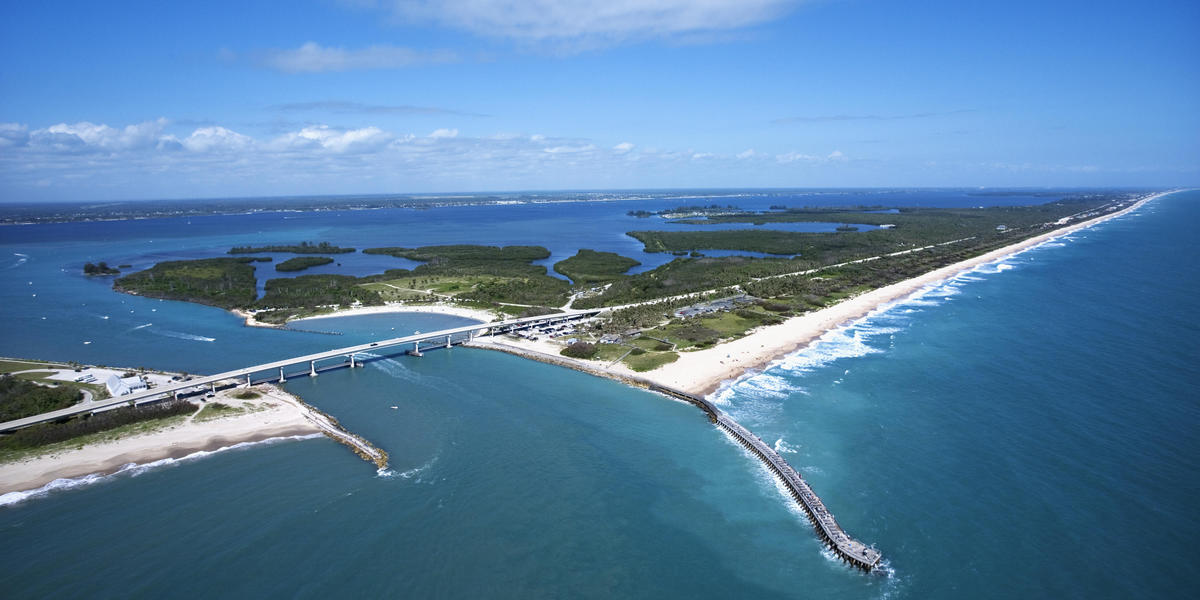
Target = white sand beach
(278,414)
(703,371)
(275,414)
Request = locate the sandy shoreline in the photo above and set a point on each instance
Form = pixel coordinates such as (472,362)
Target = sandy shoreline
(391,307)
(277,414)
(702,372)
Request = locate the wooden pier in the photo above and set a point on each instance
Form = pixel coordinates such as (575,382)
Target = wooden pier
(832,535)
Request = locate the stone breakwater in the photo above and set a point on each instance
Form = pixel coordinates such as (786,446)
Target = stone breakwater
(334,430)
(827,528)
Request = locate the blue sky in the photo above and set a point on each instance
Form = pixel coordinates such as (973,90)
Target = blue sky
(136,100)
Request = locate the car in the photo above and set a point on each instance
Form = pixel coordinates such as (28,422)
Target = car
(373,344)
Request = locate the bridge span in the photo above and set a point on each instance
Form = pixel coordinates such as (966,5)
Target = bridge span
(435,339)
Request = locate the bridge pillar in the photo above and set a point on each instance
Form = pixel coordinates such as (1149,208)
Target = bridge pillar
(282,379)
(447,342)
(247,380)
(351,361)
(212,387)
(312,368)
(417,348)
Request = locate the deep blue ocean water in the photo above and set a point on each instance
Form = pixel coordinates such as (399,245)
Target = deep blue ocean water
(1025,430)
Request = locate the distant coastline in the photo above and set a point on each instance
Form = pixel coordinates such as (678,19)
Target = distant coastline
(704,371)
(701,372)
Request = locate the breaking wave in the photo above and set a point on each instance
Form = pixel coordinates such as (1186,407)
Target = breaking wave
(135,469)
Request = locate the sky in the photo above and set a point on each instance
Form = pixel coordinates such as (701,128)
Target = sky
(144,100)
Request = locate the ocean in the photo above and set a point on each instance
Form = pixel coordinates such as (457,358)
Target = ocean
(1027,429)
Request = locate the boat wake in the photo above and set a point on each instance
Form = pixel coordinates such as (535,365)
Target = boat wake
(182,336)
(21,259)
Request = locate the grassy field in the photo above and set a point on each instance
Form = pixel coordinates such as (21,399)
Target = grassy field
(12,366)
(219,410)
(311,291)
(480,273)
(650,360)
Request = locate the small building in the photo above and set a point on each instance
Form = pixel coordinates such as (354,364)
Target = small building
(1001,228)
(887,226)
(118,386)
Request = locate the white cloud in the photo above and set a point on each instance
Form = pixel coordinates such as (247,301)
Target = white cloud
(334,140)
(90,137)
(314,58)
(792,157)
(611,20)
(749,153)
(569,149)
(89,160)
(13,134)
(216,139)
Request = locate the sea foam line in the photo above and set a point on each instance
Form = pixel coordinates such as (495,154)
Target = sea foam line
(136,469)
(851,340)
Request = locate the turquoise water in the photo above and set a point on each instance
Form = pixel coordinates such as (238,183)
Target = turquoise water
(1026,430)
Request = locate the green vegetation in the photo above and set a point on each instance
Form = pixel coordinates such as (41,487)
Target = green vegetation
(747,240)
(224,282)
(913,227)
(686,275)
(230,283)
(308,292)
(650,360)
(100,269)
(20,398)
(11,366)
(481,273)
(301,263)
(589,266)
(301,248)
(817,272)
(711,209)
(580,350)
(98,390)
(84,425)
(247,395)
(217,410)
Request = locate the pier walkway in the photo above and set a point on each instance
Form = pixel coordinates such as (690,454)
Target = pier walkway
(278,369)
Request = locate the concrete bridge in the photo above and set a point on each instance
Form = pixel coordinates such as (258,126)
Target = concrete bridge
(309,363)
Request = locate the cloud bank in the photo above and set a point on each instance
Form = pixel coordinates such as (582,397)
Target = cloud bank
(312,57)
(211,159)
(610,21)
